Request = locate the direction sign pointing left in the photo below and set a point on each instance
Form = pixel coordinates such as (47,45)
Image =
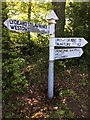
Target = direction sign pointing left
(21,26)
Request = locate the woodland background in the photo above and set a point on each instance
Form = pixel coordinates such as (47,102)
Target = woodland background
(25,63)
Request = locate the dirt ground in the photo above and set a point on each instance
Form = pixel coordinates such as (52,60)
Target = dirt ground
(70,99)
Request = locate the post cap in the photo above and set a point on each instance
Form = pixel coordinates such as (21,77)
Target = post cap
(52,16)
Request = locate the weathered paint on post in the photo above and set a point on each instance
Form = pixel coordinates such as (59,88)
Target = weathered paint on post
(51,20)
(51,79)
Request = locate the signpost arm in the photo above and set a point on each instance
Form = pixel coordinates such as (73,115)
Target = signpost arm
(51,20)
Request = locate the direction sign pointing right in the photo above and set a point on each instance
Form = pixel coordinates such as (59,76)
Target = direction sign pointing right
(67,53)
(70,42)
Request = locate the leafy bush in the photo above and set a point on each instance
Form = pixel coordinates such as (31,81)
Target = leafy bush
(13,79)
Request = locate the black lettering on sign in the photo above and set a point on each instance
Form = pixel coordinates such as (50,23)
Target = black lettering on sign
(60,51)
(79,44)
(73,40)
(79,40)
(61,44)
(40,26)
(11,21)
(19,27)
(16,27)
(29,24)
(25,23)
(56,53)
(66,50)
(33,24)
(36,25)
(18,22)
(24,29)
(64,56)
(57,39)
(68,40)
(67,44)
(57,43)
(12,27)
(15,21)
(28,29)
(44,26)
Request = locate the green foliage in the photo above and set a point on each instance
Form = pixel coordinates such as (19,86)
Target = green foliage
(65,112)
(78,23)
(67,92)
(13,80)
(78,19)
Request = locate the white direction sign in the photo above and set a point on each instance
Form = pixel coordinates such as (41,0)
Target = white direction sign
(67,53)
(18,25)
(70,42)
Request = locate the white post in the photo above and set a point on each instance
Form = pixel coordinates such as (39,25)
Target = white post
(51,64)
(51,20)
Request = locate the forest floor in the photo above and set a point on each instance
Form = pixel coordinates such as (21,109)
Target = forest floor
(70,99)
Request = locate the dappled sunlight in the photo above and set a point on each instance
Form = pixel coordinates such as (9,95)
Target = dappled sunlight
(72,86)
(71,95)
(39,114)
(68,71)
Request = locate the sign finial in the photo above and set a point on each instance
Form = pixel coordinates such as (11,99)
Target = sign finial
(52,15)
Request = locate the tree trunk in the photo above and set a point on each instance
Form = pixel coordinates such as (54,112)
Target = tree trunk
(59,8)
(29,17)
